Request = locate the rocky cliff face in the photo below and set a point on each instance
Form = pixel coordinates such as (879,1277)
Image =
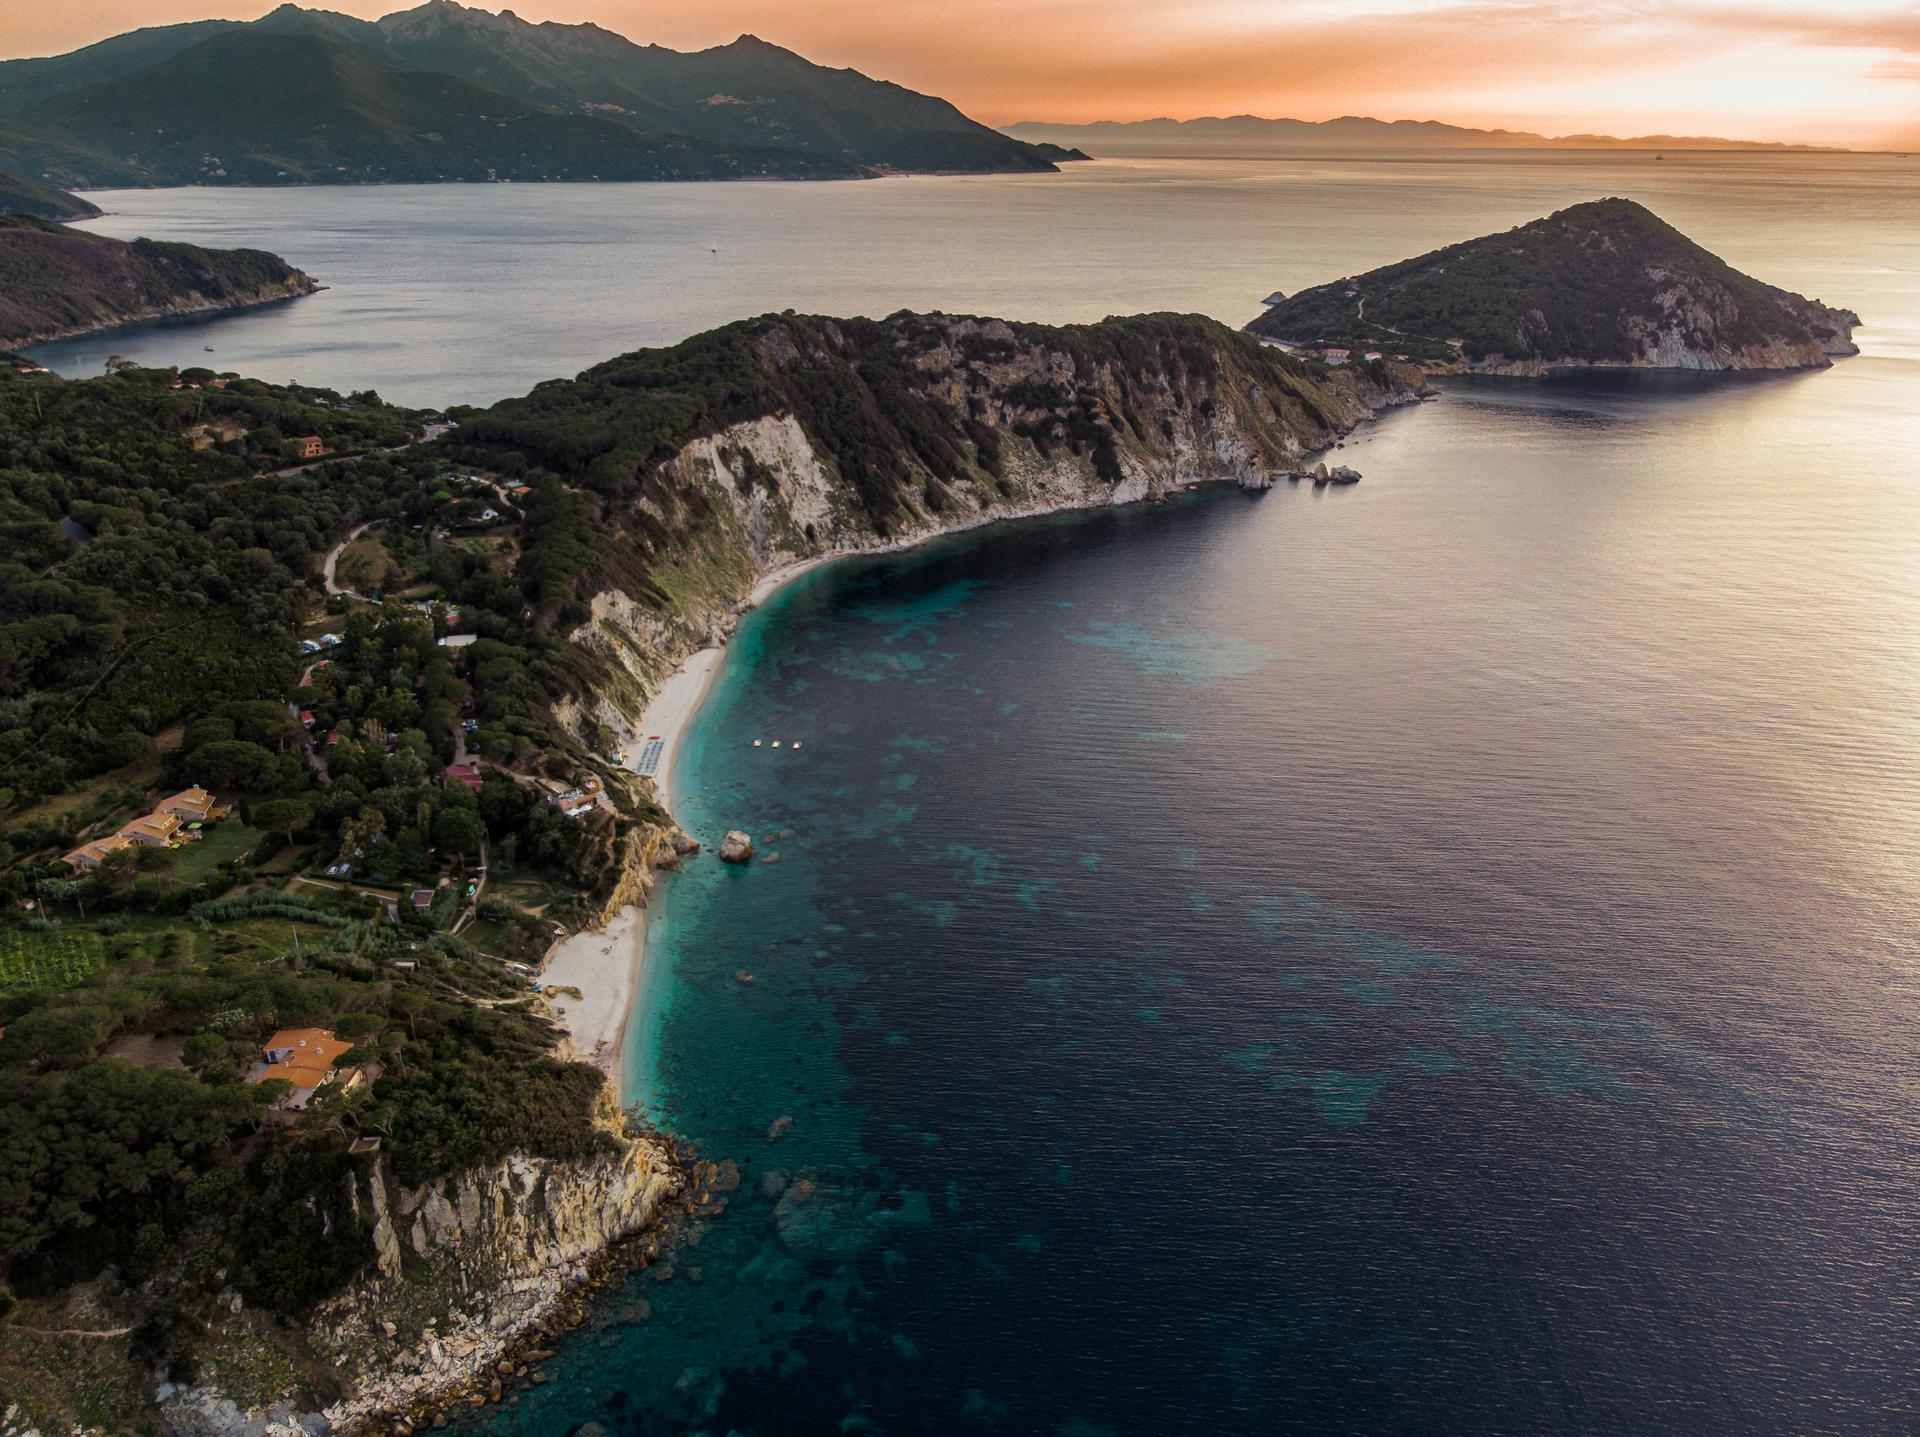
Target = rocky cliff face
(1697,327)
(863,436)
(470,1268)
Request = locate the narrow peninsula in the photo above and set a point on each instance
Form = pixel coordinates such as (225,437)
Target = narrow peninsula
(1602,285)
(19,196)
(57,281)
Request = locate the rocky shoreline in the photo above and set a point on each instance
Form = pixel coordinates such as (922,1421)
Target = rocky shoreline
(406,1365)
(298,288)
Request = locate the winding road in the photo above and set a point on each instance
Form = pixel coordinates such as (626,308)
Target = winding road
(333,559)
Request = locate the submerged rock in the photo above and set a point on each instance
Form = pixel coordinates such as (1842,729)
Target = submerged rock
(736,847)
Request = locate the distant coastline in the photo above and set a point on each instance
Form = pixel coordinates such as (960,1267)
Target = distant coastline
(1238,134)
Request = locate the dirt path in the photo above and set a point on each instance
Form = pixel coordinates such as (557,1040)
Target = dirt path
(71,1331)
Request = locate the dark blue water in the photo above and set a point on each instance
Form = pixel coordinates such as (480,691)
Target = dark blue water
(1439,956)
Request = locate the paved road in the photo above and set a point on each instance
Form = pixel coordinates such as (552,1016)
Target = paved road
(333,558)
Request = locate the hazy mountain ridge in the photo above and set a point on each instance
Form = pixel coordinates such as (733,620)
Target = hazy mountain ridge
(444,92)
(1253,132)
(1598,285)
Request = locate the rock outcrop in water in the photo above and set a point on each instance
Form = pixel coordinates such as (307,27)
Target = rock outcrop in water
(1604,285)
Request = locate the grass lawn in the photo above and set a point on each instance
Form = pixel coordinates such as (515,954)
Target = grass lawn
(192,862)
(527,893)
(290,859)
(484,934)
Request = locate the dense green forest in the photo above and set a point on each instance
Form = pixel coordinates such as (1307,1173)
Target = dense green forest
(1597,282)
(160,549)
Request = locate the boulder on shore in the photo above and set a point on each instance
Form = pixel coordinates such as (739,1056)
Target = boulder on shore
(736,847)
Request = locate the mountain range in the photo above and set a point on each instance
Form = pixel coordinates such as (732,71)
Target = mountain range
(447,92)
(1244,134)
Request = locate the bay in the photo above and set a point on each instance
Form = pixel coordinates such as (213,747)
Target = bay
(1435,956)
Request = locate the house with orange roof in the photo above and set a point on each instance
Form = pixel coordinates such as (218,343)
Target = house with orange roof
(88,856)
(190,805)
(308,1058)
(154,830)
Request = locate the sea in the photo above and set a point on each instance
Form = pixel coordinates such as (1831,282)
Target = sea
(1439,956)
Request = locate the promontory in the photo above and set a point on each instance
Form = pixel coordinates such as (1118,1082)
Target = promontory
(56,281)
(1602,285)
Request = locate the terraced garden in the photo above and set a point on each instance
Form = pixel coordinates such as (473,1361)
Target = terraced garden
(31,960)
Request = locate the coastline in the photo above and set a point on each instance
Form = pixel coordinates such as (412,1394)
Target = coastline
(604,966)
(155,316)
(607,964)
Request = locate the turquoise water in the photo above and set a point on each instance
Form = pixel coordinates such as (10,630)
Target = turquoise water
(1435,956)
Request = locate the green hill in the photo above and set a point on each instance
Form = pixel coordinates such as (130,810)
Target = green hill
(1601,284)
(56,281)
(444,92)
(24,197)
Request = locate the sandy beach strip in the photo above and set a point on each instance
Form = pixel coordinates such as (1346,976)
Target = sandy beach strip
(680,695)
(604,964)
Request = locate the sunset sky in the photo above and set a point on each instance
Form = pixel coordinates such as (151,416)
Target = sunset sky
(1816,70)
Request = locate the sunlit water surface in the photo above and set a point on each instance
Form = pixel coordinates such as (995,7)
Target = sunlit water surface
(1437,956)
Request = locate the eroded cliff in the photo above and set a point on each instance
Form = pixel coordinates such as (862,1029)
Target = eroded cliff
(471,1271)
(667,483)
